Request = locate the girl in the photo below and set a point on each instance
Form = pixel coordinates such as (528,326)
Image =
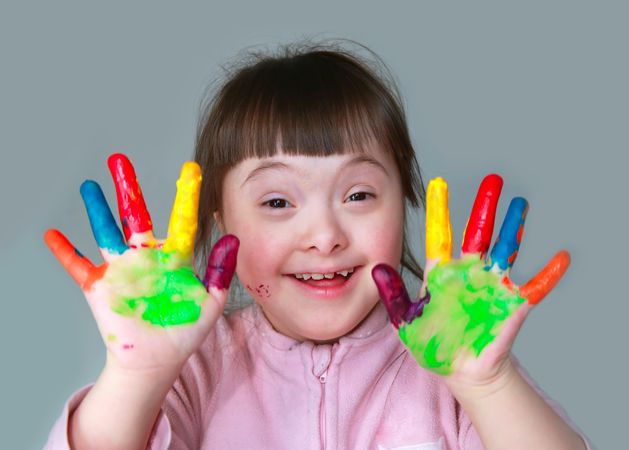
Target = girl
(305,165)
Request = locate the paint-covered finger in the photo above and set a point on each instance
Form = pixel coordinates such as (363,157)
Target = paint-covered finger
(78,266)
(104,227)
(547,278)
(506,247)
(134,217)
(222,263)
(480,225)
(395,297)
(438,228)
(183,218)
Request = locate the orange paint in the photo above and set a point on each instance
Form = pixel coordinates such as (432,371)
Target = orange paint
(547,278)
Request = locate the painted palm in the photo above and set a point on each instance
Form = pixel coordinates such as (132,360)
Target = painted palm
(150,306)
(465,303)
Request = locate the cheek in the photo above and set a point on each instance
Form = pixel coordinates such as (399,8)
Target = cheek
(383,239)
(388,245)
(261,256)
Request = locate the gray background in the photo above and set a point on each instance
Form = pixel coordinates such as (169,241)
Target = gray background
(536,91)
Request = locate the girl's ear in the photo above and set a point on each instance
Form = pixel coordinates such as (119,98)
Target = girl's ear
(219,222)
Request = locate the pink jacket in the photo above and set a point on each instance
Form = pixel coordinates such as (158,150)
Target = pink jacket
(249,386)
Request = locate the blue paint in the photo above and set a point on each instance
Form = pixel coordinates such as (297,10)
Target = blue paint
(104,227)
(508,243)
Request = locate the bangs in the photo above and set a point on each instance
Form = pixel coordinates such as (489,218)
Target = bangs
(300,107)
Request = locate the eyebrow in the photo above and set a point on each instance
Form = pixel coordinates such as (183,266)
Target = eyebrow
(277,165)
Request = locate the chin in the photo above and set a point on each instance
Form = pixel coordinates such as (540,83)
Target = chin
(331,329)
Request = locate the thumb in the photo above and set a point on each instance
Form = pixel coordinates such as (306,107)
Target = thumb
(221,264)
(220,270)
(395,297)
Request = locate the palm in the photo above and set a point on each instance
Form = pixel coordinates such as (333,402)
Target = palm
(150,307)
(139,302)
(470,310)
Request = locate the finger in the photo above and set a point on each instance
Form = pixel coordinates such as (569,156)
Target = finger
(480,225)
(134,217)
(104,227)
(78,266)
(506,248)
(438,228)
(394,296)
(222,263)
(183,218)
(546,279)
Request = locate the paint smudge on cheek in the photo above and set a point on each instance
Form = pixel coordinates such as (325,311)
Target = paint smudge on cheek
(127,346)
(260,291)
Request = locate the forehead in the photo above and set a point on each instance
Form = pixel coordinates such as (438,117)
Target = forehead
(370,158)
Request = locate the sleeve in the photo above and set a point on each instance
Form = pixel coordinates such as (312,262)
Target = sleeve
(469,438)
(178,424)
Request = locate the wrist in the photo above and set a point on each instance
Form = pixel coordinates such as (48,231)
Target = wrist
(153,374)
(122,399)
(477,389)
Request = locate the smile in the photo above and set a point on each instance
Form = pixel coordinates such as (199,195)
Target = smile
(320,276)
(328,285)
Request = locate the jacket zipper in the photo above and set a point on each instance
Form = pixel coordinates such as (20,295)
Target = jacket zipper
(322,379)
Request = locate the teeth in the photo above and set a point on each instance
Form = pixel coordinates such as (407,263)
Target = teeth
(321,276)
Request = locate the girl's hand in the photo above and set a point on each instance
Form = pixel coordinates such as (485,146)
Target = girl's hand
(469,311)
(151,309)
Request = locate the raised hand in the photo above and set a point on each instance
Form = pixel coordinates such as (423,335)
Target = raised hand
(469,311)
(150,307)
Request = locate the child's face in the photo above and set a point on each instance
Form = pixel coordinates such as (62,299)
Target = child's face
(314,215)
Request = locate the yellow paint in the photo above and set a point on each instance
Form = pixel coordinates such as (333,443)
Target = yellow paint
(438,229)
(183,218)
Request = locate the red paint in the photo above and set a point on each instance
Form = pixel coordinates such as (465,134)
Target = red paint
(263,291)
(506,281)
(480,225)
(134,216)
(127,346)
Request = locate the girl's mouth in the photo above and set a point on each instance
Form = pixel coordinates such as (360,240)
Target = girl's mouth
(327,285)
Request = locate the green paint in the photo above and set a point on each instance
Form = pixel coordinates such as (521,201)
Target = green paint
(156,286)
(111,337)
(466,310)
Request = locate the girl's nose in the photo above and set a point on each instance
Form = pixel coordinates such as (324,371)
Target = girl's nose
(325,233)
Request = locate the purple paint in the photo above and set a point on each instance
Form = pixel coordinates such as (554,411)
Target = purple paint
(222,263)
(394,296)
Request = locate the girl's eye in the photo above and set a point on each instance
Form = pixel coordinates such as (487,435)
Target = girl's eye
(277,203)
(359,196)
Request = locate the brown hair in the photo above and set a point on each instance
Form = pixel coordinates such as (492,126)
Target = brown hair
(313,99)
